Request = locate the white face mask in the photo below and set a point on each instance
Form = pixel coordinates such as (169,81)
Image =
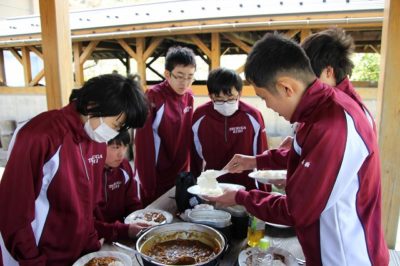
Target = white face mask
(227,109)
(102,133)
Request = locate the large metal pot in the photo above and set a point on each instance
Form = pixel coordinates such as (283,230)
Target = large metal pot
(191,231)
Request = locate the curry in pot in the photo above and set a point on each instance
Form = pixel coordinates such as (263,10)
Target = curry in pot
(181,252)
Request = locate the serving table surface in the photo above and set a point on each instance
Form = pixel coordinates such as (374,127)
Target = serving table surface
(283,238)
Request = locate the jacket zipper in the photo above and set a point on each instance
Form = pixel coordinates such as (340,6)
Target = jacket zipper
(84,163)
(226,134)
(105,186)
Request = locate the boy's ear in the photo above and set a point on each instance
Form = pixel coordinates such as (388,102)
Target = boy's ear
(286,86)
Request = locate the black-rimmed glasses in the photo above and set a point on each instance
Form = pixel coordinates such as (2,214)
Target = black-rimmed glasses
(182,78)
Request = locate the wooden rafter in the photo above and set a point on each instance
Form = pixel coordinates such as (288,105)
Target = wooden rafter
(88,51)
(155,42)
(26,64)
(291,33)
(304,34)
(37,78)
(16,55)
(196,40)
(240,69)
(127,48)
(36,51)
(375,49)
(239,43)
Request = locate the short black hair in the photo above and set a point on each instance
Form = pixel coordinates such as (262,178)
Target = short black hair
(273,55)
(331,47)
(178,55)
(111,95)
(122,138)
(222,80)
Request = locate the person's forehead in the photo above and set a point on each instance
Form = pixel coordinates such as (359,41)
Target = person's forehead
(234,93)
(181,69)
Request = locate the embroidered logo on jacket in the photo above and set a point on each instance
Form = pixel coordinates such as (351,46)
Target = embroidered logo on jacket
(237,130)
(95,159)
(114,185)
(187,109)
(306,164)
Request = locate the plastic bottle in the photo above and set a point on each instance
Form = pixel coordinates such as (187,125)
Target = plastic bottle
(255,231)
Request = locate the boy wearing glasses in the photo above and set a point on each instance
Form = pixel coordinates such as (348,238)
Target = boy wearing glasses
(226,126)
(163,144)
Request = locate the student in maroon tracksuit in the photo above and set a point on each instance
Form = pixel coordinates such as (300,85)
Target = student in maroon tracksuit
(52,180)
(120,193)
(225,126)
(329,52)
(162,146)
(333,188)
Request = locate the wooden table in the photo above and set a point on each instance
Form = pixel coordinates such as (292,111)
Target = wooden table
(283,238)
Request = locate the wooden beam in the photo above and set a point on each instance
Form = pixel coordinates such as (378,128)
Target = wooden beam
(304,34)
(291,33)
(37,90)
(3,80)
(155,42)
(215,50)
(375,49)
(240,69)
(388,120)
(37,78)
(78,67)
(56,39)
(196,40)
(239,43)
(26,64)
(36,51)
(127,48)
(141,63)
(87,51)
(16,55)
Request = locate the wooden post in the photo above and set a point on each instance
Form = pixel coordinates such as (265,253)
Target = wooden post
(215,50)
(78,67)
(141,62)
(57,51)
(3,80)
(389,122)
(26,64)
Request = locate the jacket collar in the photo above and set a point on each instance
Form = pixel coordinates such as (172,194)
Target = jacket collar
(73,118)
(346,86)
(315,95)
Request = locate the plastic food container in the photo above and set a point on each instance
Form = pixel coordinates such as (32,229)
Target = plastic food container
(218,219)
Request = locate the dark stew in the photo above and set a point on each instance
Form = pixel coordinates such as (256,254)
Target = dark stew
(181,252)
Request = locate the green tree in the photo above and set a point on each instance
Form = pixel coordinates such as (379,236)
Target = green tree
(366,67)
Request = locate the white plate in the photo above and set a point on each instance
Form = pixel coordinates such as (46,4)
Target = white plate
(125,259)
(134,217)
(290,260)
(278,225)
(276,177)
(196,189)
